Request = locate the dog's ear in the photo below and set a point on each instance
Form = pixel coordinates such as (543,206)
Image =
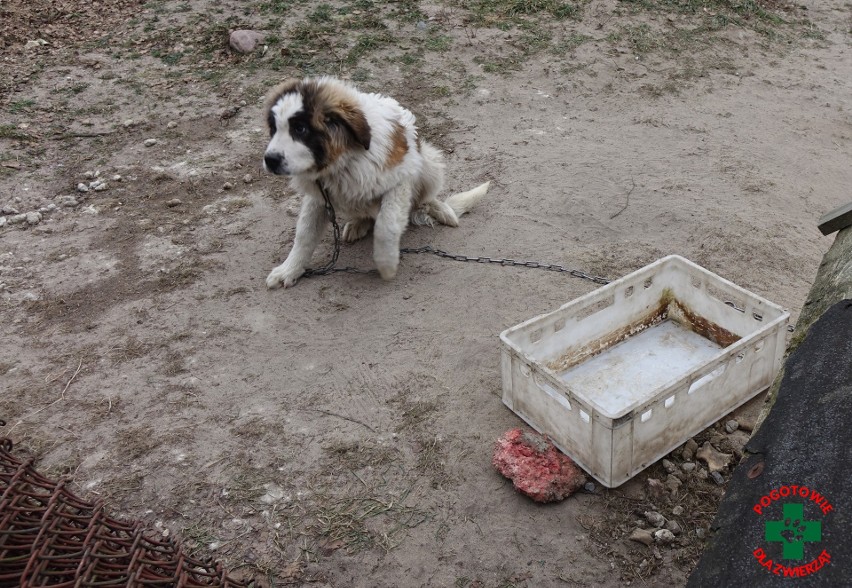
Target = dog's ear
(353,120)
(285,87)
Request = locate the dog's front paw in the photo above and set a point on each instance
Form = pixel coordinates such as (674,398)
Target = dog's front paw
(388,272)
(283,275)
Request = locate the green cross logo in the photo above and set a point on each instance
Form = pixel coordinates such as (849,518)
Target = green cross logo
(794,531)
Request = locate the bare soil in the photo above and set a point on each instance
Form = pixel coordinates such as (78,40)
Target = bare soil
(340,433)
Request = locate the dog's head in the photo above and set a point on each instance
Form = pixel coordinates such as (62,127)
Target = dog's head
(312,124)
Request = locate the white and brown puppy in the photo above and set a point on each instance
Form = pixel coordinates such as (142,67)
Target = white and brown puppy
(364,151)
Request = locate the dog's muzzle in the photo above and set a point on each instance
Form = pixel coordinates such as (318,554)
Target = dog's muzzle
(275,164)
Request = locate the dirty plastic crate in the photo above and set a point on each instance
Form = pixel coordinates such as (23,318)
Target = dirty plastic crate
(623,375)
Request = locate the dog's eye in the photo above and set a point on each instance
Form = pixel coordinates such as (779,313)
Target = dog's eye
(300,129)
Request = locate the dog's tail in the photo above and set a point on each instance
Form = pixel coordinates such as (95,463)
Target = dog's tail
(464,201)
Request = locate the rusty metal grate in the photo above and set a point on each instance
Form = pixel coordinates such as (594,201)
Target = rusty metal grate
(50,537)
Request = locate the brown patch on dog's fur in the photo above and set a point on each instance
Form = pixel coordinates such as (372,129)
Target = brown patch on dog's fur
(399,146)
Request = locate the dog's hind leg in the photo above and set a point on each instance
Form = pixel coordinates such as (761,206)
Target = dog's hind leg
(357,228)
(427,207)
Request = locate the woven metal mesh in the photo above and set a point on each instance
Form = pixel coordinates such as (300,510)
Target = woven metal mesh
(50,537)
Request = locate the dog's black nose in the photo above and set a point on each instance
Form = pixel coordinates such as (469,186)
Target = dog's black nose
(274,163)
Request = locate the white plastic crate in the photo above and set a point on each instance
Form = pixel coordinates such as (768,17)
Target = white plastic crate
(623,375)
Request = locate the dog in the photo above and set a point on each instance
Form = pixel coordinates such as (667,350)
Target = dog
(363,151)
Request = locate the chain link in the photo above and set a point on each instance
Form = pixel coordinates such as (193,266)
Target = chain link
(428,249)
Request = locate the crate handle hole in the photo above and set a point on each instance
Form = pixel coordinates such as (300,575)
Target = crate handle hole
(646,415)
(648,282)
(585,416)
(757,317)
(552,392)
(558,325)
(525,370)
(706,379)
(670,401)
(696,282)
(535,336)
(740,356)
(628,292)
(758,347)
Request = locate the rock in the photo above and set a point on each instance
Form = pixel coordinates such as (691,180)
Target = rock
(91,175)
(91,210)
(33,218)
(715,460)
(248,178)
(701,474)
(81,187)
(536,468)
(116,178)
(663,536)
(174,202)
(687,466)
(674,527)
(150,142)
(699,533)
(589,487)
(2,221)
(655,518)
(227,186)
(10,210)
(673,483)
(689,449)
(656,489)
(717,477)
(669,466)
(731,426)
(17,219)
(677,511)
(171,124)
(98,186)
(641,536)
(128,123)
(68,201)
(245,40)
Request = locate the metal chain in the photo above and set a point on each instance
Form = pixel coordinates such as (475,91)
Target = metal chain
(330,269)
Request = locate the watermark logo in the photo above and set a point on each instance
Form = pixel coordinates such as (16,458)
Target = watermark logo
(794,531)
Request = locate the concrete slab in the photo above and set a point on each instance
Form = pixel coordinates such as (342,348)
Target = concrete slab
(788,510)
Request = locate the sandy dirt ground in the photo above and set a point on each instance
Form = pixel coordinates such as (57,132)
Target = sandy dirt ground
(340,433)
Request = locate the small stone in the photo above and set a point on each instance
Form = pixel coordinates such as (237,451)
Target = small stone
(422,26)
(248,178)
(689,449)
(673,483)
(701,474)
(90,175)
(150,142)
(50,207)
(641,536)
(116,178)
(677,511)
(81,187)
(664,536)
(589,487)
(731,426)
(68,202)
(17,219)
(100,187)
(2,221)
(717,477)
(669,466)
(687,466)
(655,518)
(227,186)
(128,123)
(174,202)
(244,40)
(656,489)
(87,122)
(91,210)
(715,460)
(10,210)
(674,527)
(699,533)
(171,124)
